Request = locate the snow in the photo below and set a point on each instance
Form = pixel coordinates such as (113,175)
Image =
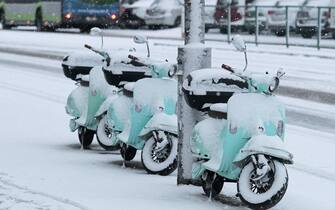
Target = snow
(45,163)
(204,80)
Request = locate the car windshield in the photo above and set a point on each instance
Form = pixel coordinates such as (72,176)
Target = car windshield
(99,1)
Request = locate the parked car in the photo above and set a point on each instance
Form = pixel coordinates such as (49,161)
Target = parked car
(163,13)
(237,14)
(133,13)
(277,16)
(264,6)
(332,19)
(210,22)
(307,17)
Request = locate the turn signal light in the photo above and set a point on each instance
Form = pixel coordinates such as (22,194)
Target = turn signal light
(113,16)
(68,16)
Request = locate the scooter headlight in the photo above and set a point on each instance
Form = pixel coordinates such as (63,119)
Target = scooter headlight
(280,128)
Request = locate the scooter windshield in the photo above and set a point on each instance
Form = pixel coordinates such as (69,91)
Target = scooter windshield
(253,113)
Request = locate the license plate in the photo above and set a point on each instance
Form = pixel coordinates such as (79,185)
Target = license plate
(91,18)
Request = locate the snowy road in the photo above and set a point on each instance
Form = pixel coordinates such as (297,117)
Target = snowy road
(42,166)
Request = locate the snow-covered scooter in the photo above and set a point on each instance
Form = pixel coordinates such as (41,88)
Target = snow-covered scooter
(144,118)
(88,103)
(242,139)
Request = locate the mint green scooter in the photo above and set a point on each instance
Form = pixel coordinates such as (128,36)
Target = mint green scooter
(144,118)
(85,103)
(242,138)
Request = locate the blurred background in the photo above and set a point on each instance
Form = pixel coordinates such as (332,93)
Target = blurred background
(281,22)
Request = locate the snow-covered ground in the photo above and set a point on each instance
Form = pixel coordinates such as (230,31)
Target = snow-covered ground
(42,166)
(306,67)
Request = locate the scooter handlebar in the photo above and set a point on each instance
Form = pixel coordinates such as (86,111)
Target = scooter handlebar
(137,61)
(88,46)
(228,68)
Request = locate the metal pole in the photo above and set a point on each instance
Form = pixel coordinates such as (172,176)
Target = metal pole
(319,29)
(287,27)
(229,23)
(194,55)
(257,26)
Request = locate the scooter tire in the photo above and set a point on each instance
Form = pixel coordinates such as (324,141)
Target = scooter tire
(269,198)
(102,138)
(215,189)
(85,137)
(128,153)
(165,168)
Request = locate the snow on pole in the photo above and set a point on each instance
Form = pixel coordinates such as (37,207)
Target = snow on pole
(192,56)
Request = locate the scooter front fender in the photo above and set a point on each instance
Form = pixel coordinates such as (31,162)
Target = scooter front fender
(261,144)
(105,105)
(160,121)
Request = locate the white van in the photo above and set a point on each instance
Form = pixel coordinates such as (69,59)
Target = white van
(307,17)
(264,6)
(277,16)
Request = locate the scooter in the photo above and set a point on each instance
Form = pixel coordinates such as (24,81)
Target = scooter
(88,103)
(242,138)
(144,118)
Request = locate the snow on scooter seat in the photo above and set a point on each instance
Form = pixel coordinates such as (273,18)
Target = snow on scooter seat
(220,80)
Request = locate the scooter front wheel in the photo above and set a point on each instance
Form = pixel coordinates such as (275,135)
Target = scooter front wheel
(266,192)
(85,136)
(105,136)
(162,161)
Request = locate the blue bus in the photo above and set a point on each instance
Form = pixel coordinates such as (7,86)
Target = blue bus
(52,14)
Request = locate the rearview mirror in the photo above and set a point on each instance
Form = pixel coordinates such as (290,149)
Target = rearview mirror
(95,31)
(140,39)
(239,43)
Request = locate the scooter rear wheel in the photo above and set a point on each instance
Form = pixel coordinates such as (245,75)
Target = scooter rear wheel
(85,136)
(128,153)
(212,188)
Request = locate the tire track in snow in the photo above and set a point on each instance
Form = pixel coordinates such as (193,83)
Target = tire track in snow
(21,191)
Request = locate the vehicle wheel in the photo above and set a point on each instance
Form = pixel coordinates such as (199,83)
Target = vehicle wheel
(160,160)
(307,34)
(177,22)
(333,35)
(39,21)
(266,192)
(206,30)
(128,153)
(223,30)
(85,136)
(106,137)
(212,188)
(280,33)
